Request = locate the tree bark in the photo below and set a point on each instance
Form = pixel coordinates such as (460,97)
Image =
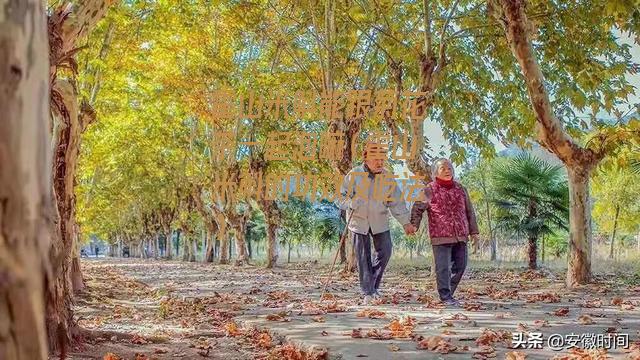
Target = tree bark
(533,252)
(193,248)
(224,248)
(579,271)
(76,272)
(210,245)
(186,253)
(613,233)
(178,242)
(239,225)
(272,216)
(156,246)
(25,180)
(169,244)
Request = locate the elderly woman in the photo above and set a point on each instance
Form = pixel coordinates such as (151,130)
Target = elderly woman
(451,222)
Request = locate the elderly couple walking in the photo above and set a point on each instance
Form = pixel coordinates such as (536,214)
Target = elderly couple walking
(450,215)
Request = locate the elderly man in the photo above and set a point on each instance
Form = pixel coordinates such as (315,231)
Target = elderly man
(367,198)
(451,222)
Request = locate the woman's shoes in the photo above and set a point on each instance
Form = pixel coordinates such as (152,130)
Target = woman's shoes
(452,303)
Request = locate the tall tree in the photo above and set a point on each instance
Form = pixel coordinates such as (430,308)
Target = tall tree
(25,181)
(67,24)
(593,80)
(616,192)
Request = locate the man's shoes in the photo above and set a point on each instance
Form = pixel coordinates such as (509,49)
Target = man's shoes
(377,295)
(452,303)
(367,300)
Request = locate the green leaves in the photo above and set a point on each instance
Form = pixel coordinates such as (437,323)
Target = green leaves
(532,196)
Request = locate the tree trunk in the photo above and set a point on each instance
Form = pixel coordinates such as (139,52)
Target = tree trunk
(533,253)
(178,233)
(208,257)
(76,275)
(76,272)
(613,233)
(551,134)
(249,248)
(168,246)
(224,248)
(289,252)
(239,226)
(156,246)
(543,247)
(579,268)
(343,252)
(194,249)
(216,248)
(25,181)
(272,216)
(185,247)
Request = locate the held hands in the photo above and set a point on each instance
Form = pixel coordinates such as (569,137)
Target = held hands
(409,229)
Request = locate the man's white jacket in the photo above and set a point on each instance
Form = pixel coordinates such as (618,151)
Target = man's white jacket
(365,212)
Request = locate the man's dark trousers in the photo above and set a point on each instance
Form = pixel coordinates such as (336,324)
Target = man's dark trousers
(451,261)
(370,271)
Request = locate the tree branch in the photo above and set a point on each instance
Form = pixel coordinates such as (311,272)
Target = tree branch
(427,28)
(550,131)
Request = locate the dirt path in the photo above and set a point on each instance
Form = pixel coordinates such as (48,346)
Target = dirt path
(173,310)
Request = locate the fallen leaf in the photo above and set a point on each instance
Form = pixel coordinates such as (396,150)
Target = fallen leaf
(324,333)
(544,297)
(594,303)
(204,353)
(541,323)
(379,335)
(561,312)
(110,356)
(393,347)
(459,316)
(328,296)
(585,320)
(319,319)
(515,355)
(438,344)
(617,300)
(485,352)
(584,354)
(139,340)
(275,317)
(400,329)
(472,306)
(264,340)
(356,333)
(490,336)
(372,314)
(232,329)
